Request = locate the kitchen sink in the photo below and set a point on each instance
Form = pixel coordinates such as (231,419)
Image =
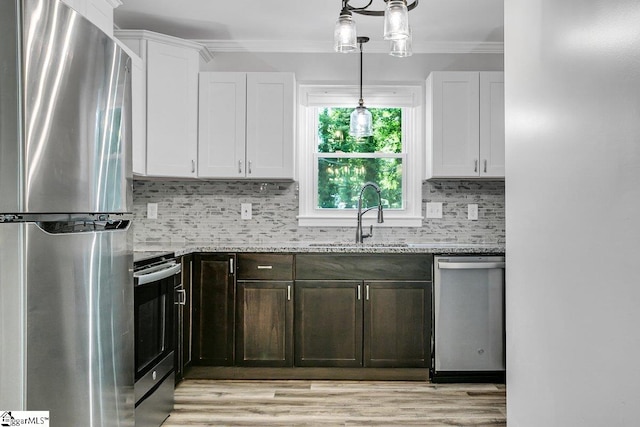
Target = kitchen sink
(356,245)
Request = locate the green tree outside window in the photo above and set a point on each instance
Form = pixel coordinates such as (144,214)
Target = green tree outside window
(345,163)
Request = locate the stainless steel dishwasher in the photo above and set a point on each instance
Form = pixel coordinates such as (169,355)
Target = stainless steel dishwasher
(469,337)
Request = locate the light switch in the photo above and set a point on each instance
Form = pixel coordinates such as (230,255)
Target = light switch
(434,210)
(245,210)
(472,212)
(152,210)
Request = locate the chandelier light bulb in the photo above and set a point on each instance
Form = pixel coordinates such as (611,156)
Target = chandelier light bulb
(344,35)
(396,20)
(401,47)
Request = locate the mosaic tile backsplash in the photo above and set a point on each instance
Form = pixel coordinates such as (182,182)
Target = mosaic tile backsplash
(209,211)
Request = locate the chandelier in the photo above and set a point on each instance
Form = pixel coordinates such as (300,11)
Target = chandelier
(396,26)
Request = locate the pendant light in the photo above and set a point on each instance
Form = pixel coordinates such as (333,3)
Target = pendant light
(361,122)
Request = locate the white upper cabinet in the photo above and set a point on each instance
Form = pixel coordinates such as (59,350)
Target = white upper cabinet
(246,125)
(492,124)
(169,130)
(222,126)
(100,12)
(465,125)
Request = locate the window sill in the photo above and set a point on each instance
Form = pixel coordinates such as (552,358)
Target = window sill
(350,221)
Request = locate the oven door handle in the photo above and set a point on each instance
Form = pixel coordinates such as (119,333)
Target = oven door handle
(481,265)
(157,275)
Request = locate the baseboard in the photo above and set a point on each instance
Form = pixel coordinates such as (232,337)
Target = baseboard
(296,373)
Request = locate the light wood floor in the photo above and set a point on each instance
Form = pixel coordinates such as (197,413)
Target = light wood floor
(336,403)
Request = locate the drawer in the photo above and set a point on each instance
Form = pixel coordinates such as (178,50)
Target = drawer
(364,266)
(265,267)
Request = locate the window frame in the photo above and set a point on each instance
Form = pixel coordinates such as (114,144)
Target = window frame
(311,97)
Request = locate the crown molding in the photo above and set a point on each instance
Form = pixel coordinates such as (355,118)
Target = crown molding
(205,53)
(309,46)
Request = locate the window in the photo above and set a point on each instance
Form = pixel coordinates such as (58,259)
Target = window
(345,162)
(333,165)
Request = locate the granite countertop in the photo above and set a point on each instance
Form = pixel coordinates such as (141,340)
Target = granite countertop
(324,247)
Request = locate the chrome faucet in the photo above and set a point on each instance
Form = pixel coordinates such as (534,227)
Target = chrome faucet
(359,236)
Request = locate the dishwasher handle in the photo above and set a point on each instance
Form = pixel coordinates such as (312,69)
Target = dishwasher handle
(480,265)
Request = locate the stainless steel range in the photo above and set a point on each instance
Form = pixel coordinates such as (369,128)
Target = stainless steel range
(158,295)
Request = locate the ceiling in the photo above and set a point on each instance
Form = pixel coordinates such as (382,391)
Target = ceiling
(307,25)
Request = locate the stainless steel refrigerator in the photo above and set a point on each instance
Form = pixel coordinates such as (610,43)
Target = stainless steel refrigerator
(66,285)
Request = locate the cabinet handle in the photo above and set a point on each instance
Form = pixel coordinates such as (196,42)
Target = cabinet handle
(359,293)
(182,297)
(231,266)
(485,165)
(239,166)
(475,165)
(249,166)
(288,292)
(193,166)
(367,292)
(265,267)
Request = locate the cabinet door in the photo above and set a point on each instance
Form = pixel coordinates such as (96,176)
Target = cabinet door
(270,125)
(328,323)
(213,309)
(455,124)
(397,324)
(221,131)
(264,327)
(492,124)
(187,324)
(138,114)
(172,110)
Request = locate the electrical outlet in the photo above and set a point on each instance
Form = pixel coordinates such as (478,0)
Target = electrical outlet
(152,210)
(434,210)
(245,210)
(472,212)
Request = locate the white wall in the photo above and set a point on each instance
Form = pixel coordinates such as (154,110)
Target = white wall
(572,82)
(378,68)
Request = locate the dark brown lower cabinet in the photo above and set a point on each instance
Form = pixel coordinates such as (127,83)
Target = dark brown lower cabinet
(328,323)
(183,333)
(331,310)
(264,323)
(397,324)
(213,309)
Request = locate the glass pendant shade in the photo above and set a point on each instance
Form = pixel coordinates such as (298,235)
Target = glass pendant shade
(396,20)
(401,48)
(361,122)
(344,35)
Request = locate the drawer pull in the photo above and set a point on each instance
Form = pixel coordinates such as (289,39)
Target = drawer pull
(265,267)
